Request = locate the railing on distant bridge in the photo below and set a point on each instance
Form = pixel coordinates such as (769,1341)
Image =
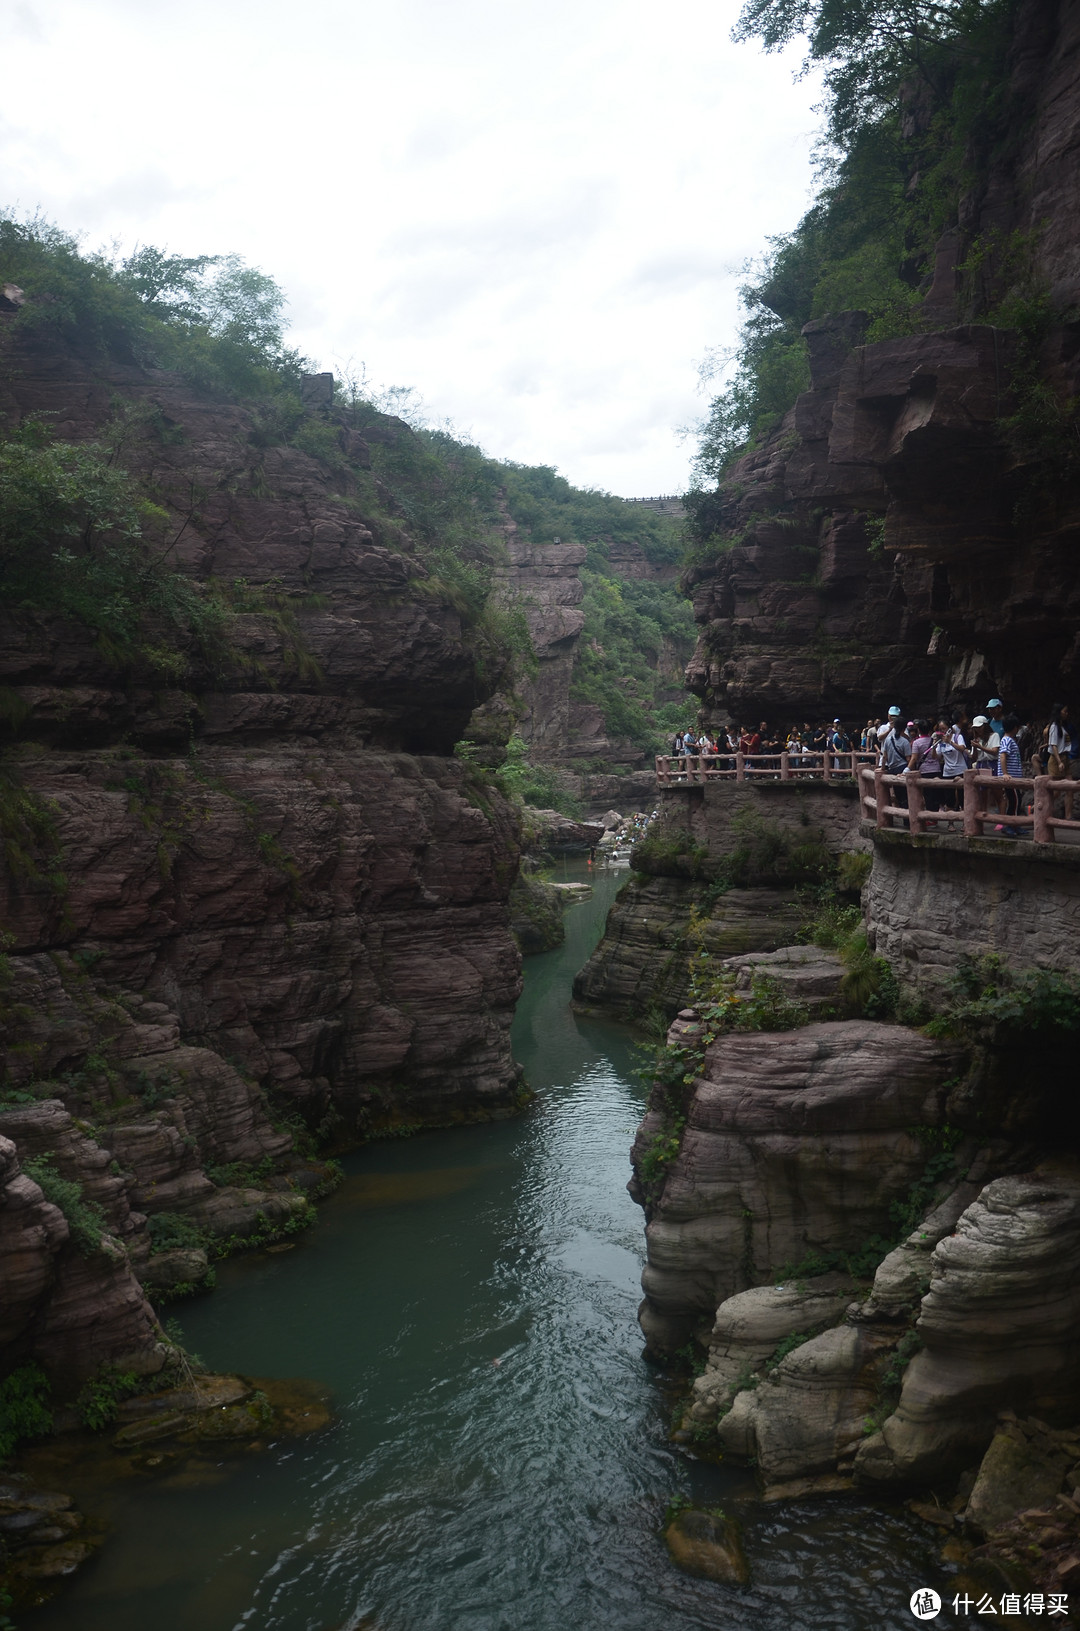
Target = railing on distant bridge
(976,807)
(692,769)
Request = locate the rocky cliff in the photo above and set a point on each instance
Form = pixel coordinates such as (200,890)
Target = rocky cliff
(247,892)
(908,532)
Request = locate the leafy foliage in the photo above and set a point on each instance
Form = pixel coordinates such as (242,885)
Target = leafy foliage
(77,537)
(916,97)
(545,506)
(213,318)
(98,1401)
(172,1231)
(989,1001)
(85,1218)
(532,783)
(24,1407)
(632,630)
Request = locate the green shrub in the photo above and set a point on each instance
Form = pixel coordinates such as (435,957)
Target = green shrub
(98,1401)
(869,984)
(669,852)
(85,1219)
(987,1000)
(661,1150)
(172,1231)
(534,784)
(767,1008)
(853,869)
(241,1174)
(24,1407)
(834,925)
(785,1347)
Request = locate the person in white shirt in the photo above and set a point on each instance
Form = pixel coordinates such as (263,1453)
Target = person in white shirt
(952,750)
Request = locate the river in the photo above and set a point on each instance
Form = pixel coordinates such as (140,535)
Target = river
(500,1458)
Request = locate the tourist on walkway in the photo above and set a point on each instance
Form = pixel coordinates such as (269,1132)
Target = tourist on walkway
(952,752)
(985,755)
(895,753)
(923,761)
(1009,765)
(1058,740)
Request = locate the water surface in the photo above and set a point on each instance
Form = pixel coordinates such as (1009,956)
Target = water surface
(500,1461)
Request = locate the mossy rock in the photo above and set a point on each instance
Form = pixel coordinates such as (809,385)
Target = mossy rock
(708,1546)
(536,916)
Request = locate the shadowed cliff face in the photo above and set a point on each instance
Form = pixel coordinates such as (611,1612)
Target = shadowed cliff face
(895,538)
(259,890)
(378,654)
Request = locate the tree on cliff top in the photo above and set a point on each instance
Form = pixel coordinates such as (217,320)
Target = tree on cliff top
(916,98)
(870,48)
(212,318)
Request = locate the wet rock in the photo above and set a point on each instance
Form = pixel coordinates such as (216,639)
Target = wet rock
(809,1413)
(536,920)
(794,1141)
(560,835)
(797,1489)
(750,1326)
(707,1545)
(43,1539)
(1015,1474)
(221,1409)
(1000,1326)
(164,1271)
(73,1307)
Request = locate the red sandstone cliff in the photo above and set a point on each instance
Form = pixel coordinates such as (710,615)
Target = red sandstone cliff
(261,888)
(972,586)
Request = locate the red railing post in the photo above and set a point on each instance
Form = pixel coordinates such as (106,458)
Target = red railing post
(740,767)
(916,804)
(972,825)
(785,767)
(1042,808)
(881,798)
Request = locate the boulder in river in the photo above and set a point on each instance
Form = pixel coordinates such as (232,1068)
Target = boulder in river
(708,1545)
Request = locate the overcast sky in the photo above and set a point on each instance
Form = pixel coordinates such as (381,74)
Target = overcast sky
(535,215)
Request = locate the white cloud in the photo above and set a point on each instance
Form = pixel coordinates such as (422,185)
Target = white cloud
(536,216)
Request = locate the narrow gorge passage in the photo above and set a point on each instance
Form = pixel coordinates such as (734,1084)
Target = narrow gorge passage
(500,1461)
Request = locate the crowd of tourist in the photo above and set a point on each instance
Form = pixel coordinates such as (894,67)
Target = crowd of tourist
(937,750)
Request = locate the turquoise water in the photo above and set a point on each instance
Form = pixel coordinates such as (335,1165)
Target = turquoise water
(500,1459)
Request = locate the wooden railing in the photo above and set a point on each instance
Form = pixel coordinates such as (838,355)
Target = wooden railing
(692,769)
(975,805)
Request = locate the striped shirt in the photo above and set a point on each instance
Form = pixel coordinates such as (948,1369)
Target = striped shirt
(1008,751)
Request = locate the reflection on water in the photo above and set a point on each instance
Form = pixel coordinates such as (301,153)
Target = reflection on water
(500,1460)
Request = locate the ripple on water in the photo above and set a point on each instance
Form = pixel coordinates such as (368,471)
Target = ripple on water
(500,1460)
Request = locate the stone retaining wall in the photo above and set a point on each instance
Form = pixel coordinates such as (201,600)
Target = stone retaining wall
(807,810)
(929,900)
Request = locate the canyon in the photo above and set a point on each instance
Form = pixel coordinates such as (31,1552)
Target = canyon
(257,896)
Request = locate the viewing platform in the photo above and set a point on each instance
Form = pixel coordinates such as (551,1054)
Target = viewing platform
(695,769)
(972,806)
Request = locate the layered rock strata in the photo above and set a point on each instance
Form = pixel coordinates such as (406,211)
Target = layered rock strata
(999,1326)
(894,538)
(657,925)
(794,1142)
(254,891)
